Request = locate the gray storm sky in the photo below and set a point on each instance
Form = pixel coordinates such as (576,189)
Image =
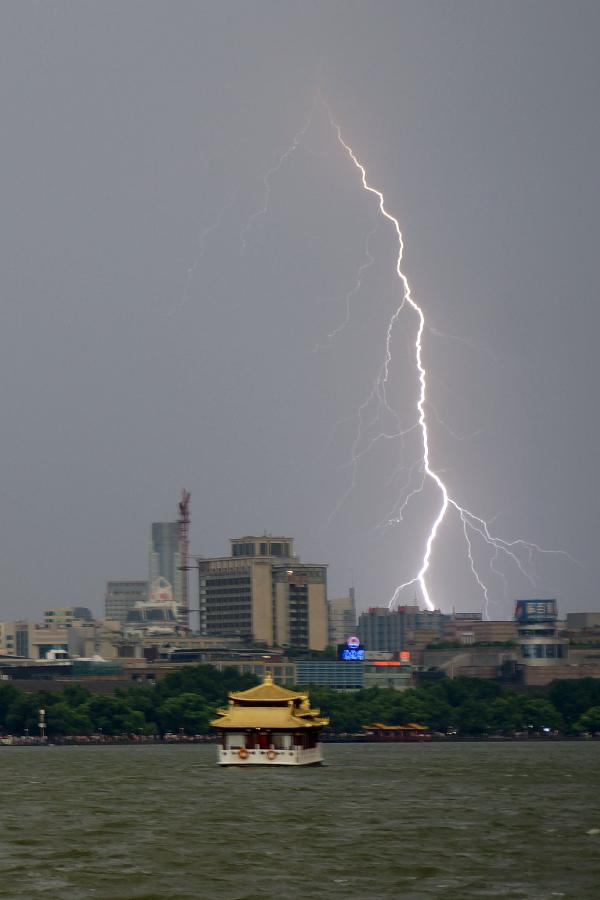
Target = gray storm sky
(141,352)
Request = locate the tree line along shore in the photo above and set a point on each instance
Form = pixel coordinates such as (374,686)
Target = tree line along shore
(184,702)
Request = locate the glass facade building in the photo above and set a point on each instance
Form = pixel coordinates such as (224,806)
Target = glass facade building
(164,556)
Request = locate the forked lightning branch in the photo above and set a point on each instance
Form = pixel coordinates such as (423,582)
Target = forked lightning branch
(519,553)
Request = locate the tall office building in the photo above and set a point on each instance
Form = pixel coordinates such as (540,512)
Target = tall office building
(342,618)
(121,596)
(262,593)
(164,556)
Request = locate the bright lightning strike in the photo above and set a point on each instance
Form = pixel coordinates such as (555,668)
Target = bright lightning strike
(472,524)
(367,421)
(419,578)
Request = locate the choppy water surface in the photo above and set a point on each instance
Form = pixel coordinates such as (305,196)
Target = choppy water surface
(451,821)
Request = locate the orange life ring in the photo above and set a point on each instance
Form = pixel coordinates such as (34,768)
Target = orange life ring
(271,754)
(243,753)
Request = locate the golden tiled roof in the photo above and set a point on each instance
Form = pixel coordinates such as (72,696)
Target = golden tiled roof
(267,692)
(257,717)
(269,705)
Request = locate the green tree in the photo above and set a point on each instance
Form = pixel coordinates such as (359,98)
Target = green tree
(61,719)
(187,711)
(542,714)
(474,717)
(23,714)
(8,695)
(437,714)
(505,715)
(113,715)
(590,720)
(75,695)
(204,680)
(573,698)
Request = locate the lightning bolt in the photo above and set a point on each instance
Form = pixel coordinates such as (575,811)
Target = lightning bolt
(200,251)
(370,259)
(519,552)
(472,525)
(289,151)
(407,298)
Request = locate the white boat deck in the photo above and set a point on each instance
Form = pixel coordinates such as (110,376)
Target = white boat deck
(296,756)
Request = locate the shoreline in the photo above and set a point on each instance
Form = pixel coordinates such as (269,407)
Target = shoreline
(152,740)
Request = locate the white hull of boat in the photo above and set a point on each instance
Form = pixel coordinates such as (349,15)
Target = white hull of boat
(293,757)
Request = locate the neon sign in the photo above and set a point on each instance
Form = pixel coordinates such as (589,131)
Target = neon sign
(352,650)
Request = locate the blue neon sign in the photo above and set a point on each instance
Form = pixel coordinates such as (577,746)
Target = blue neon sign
(347,654)
(352,650)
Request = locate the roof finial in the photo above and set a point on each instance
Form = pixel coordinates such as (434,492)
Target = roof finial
(268,679)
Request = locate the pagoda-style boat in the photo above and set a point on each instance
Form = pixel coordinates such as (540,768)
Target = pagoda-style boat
(269,725)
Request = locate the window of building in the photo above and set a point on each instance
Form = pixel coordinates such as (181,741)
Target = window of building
(243,549)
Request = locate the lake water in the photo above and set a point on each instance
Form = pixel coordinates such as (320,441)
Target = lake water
(439,820)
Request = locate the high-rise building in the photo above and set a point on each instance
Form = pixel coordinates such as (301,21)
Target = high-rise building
(121,596)
(262,593)
(342,618)
(164,556)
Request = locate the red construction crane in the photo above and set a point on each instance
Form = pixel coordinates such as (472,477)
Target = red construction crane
(183,610)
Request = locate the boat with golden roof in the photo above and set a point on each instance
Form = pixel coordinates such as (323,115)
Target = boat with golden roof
(269,725)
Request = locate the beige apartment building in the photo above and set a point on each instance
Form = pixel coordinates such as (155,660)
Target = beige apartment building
(263,593)
(31,640)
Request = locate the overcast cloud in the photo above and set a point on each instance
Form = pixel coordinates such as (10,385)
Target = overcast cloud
(150,340)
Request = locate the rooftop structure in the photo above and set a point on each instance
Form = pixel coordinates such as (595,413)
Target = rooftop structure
(64,616)
(157,615)
(540,641)
(269,724)
(121,596)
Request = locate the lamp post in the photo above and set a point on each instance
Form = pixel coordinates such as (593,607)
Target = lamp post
(42,725)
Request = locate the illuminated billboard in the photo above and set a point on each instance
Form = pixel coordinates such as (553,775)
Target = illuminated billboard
(535,611)
(352,650)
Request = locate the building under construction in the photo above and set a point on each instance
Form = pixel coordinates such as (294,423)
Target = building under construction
(168,557)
